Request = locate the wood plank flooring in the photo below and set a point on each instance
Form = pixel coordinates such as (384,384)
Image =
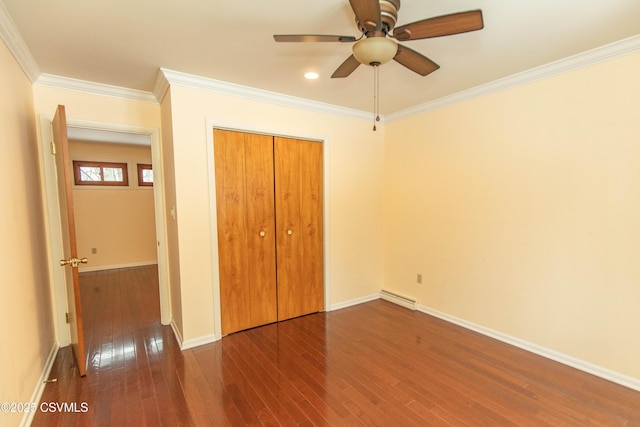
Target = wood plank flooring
(375,364)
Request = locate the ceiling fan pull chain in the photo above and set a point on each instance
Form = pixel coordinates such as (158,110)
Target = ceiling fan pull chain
(376,104)
(377,93)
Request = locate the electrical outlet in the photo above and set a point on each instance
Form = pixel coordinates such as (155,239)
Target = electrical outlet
(419,279)
(94,251)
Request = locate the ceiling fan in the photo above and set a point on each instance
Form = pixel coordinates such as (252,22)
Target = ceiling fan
(376,19)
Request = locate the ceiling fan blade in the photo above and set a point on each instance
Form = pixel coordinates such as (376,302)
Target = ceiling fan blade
(312,38)
(415,61)
(346,68)
(446,25)
(367,13)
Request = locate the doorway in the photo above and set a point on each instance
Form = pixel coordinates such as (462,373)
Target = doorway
(99,131)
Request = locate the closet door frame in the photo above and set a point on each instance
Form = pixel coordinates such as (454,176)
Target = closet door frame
(212,124)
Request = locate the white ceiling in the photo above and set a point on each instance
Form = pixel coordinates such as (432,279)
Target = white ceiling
(124,43)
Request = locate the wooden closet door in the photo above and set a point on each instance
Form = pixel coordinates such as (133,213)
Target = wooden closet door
(246,245)
(261,228)
(298,178)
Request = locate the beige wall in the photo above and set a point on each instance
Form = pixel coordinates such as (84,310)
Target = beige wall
(94,107)
(118,221)
(354,198)
(25,299)
(522,212)
(172,225)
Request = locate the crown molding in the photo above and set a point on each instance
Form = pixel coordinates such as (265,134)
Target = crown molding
(189,80)
(161,86)
(581,60)
(95,88)
(15,43)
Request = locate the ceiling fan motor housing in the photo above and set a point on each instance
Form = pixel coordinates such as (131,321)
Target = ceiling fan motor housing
(389,14)
(388,18)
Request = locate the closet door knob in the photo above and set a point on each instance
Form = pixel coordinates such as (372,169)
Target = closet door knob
(262,234)
(289,232)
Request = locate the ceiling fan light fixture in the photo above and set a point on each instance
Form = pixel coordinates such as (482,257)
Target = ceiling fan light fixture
(375,50)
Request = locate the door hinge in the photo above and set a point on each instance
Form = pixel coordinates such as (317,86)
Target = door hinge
(66,317)
(53,148)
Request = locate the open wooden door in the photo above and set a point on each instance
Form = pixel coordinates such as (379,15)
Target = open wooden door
(63,171)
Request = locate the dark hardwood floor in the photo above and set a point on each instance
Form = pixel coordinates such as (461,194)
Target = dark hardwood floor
(372,364)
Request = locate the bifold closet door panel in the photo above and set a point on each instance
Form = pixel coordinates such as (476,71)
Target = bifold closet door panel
(261,228)
(246,247)
(311,218)
(232,234)
(298,179)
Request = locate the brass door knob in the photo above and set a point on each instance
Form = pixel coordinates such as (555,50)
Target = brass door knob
(73,262)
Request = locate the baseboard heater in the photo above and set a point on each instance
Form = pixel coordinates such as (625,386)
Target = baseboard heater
(398,299)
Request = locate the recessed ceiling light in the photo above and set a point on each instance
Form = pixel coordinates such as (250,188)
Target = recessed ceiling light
(311,75)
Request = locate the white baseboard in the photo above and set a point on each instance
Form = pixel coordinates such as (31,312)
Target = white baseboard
(176,333)
(83,269)
(355,301)
(195,342)
(599,371)
(39,389)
